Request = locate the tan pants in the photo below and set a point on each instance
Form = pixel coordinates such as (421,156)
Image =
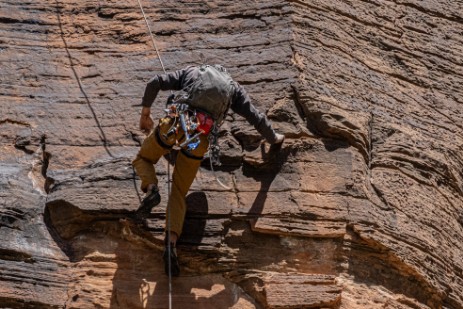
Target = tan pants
(186,166)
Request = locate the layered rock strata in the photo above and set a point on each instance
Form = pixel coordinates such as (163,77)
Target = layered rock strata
(361,208)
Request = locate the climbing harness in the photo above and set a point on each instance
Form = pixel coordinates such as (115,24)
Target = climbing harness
(194,123)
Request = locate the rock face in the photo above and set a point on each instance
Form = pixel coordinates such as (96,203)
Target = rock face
(361,208)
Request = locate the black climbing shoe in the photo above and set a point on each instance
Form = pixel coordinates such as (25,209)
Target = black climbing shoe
(174,267)
(151,199)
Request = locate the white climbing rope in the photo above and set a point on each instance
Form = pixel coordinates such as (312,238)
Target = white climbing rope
(152,37)
(168,163)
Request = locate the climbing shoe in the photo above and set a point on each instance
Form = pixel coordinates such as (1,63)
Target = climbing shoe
(174,267)
(151,199)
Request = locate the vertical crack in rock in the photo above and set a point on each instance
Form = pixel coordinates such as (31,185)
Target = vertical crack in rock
(38,174)
(370,181)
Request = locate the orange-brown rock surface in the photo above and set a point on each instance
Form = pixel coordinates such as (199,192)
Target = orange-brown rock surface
(362,208)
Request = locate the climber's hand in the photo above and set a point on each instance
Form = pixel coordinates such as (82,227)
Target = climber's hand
(276,146)
(146,122)
(279,139)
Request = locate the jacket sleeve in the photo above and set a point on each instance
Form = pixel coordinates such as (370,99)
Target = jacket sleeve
(169,81)
(241,104)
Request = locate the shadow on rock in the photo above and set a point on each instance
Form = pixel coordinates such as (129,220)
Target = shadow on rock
(107,247)
(264,170)
(196,219)
(66,222)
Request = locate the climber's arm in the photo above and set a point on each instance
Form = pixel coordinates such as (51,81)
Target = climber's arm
(241,104)
(169,81)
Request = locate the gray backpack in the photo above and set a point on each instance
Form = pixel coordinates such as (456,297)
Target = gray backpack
(212,91)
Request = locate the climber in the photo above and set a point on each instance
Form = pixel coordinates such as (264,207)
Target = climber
(205,94)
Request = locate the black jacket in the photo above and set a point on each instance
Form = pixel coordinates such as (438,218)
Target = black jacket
(240,104)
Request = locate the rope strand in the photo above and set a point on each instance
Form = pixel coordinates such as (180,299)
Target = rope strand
(168,163)
(152,37)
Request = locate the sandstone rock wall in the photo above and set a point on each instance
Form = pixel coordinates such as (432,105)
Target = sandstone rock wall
(362,208)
